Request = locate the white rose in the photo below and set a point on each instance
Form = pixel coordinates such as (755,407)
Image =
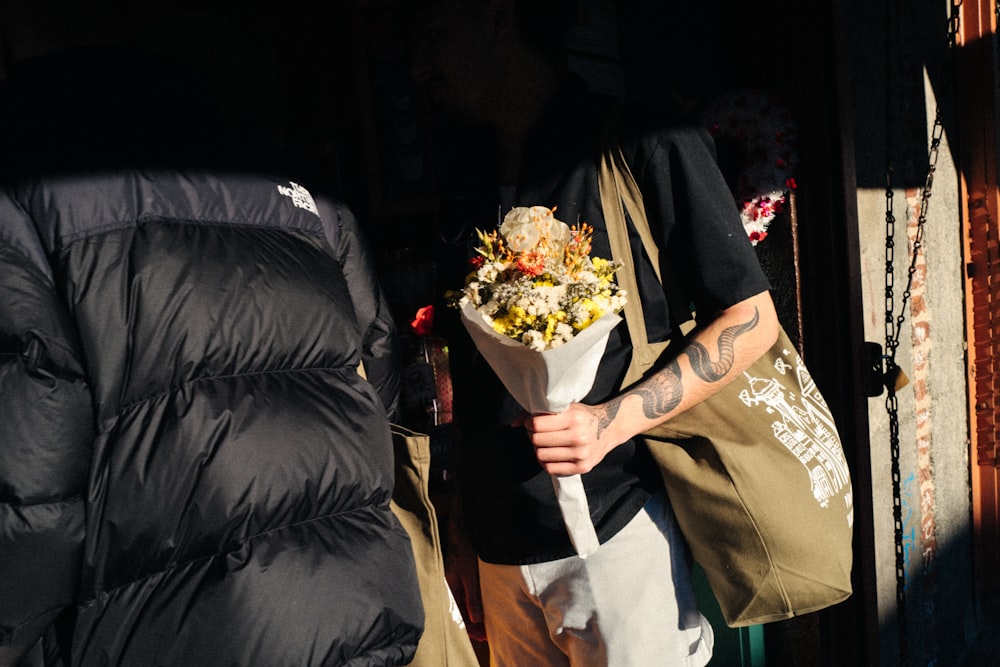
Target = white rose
(520,230)
(556,232)
(524,227)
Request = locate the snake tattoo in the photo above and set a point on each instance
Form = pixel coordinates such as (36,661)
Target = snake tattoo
(664,390)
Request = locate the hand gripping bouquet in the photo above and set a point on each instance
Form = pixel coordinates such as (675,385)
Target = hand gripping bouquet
(540,309)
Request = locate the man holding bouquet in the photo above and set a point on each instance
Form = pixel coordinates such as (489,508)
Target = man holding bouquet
(527,135)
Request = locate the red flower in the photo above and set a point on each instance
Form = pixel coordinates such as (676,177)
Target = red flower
(531,263)
(756,237)
(424,321)
(790,183)
(477,261)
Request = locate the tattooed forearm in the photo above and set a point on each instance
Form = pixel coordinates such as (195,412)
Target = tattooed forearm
(702,364)
(663,392)
(608,414)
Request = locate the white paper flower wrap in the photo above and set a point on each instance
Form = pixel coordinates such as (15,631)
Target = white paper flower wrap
(548,381)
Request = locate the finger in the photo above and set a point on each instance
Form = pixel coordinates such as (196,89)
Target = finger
(521,418)
(475,605)
(560,460)
(547,422)
(475,626)
(568,468)
(566,439)
(557,452)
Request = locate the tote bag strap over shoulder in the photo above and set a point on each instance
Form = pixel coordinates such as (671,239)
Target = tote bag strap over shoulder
(620,194)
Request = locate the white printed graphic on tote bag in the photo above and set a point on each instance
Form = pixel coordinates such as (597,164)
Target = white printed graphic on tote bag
(805,427)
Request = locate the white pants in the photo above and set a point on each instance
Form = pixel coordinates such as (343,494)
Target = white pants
(631,603)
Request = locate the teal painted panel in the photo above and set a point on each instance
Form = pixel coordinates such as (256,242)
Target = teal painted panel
(734,647)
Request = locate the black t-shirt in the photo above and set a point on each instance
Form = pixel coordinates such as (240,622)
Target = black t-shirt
(508,500)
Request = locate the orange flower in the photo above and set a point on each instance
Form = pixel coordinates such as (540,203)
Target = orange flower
(531,263)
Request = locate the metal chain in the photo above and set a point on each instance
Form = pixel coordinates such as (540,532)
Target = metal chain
(894,323)
(892,408)
(891,343)
(893,330)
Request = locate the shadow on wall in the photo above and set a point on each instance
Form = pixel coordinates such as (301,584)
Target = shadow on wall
(933,633)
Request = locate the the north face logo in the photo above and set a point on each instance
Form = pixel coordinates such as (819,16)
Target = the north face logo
(300,196)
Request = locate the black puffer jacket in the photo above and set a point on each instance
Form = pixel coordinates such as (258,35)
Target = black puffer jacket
(192,471)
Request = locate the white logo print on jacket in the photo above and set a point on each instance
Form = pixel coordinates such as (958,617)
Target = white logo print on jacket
(300,196)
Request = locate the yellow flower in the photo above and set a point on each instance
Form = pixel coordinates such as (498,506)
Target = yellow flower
(551,321)
(593,311)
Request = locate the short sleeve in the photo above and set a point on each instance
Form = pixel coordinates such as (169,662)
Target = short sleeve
(687,199)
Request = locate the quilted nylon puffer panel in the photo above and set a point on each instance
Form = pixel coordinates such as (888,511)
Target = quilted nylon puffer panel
(238,469)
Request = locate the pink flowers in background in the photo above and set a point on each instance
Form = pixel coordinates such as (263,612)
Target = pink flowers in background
(766,136)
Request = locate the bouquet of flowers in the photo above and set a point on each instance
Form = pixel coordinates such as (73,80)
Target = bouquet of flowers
(540,309)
